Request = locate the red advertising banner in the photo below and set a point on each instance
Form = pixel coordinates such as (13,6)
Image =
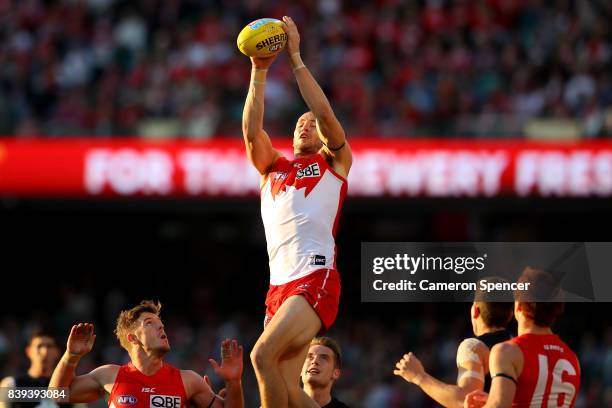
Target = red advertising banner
(381,167)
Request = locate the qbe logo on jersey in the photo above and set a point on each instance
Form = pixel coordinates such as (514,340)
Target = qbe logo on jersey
(165,401)
(311,171)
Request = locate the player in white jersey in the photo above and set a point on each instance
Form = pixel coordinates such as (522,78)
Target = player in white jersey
(301,200)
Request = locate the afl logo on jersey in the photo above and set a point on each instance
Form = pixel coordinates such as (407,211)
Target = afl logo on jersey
(311,171)
(126,400)
(165,401)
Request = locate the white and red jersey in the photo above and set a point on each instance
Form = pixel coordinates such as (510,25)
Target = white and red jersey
(300,206)
(551,373)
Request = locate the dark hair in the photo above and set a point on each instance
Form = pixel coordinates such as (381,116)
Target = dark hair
(493,312)
(41,332)
(332,345)
(540,302)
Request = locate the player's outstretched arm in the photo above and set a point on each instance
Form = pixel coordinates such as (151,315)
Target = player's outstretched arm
(448,395)
(258,146)
(83,388)
(330,131)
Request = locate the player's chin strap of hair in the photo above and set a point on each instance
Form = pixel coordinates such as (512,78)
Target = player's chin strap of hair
(212,401)
(504,375)
(337,148)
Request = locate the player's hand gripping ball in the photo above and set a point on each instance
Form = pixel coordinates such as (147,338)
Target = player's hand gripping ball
(262,38)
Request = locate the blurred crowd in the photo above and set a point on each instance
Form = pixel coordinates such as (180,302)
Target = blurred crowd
(373,339)
(171,68)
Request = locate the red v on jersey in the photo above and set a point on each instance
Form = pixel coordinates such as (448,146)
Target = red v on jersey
(302,172)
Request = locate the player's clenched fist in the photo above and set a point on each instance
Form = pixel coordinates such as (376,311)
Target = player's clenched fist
(81,339)
(409,368)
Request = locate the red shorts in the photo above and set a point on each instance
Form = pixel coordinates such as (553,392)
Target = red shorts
(321,289)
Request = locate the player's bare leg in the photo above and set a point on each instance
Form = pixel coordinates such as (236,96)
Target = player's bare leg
(284,339)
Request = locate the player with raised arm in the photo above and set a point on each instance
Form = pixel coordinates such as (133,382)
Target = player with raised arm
(147,380)
(489,321)
(300,205)
(535,369)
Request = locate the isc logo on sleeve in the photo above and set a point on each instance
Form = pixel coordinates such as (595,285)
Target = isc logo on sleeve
(165,401)
(311,171)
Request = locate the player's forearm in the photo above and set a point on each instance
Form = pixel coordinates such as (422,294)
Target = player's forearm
(234,397)
(450,396)
(311,92)
(63,375)
(253,113)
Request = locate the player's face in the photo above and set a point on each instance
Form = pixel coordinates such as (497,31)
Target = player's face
(150,332)
(43,351)
(305,137)
(319,367)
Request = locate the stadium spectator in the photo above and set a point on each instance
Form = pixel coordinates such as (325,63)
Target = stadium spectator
(436,67)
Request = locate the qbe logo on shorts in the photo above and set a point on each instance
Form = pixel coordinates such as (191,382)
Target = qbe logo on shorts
(165,401)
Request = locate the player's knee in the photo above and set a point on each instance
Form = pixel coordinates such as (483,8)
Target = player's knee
(262,356)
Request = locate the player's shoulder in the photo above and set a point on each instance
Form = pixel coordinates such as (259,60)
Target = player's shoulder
(190,374)
(191,379)
(105,374)
(279,161)
(108,368)
(471,349)
(194,383)
(507,349)
(471,343)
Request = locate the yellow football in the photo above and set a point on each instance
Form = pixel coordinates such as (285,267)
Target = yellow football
(262,38)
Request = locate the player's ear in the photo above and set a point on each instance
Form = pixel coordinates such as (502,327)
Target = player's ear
(475,311)
(131,337)
(336,374)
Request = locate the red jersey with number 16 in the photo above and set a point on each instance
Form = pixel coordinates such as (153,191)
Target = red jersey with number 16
(551,373)
(133,389)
